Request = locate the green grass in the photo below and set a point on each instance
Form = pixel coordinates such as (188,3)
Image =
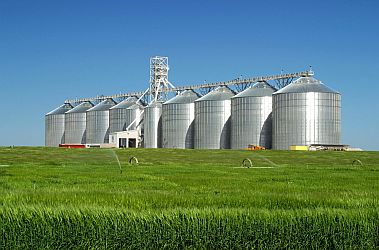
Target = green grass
(78,199)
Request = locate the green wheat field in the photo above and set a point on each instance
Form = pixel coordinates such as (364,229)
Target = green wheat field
(52,198)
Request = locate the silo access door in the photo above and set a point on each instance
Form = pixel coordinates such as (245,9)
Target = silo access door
(122,142)
(132,143)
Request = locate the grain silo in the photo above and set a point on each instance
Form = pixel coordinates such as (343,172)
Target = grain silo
(153,125)
(97,123)
(55,125)
(306,112)
(75,124)
(251,117)
(212,119)
(178,116)
(119,115)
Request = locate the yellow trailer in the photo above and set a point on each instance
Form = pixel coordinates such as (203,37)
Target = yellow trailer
(296,147)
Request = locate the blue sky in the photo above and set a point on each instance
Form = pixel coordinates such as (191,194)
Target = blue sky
(54,50)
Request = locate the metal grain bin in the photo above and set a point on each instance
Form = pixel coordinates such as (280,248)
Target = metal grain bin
(75,124)
(97,124)
(212,119)
(55,126)
(119,115)
(306,112)
(178,116)
(153,126)
(251,117)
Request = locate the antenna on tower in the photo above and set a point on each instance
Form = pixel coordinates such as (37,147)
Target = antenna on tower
(159,83)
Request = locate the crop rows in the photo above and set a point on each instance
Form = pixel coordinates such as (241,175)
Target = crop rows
(188,229)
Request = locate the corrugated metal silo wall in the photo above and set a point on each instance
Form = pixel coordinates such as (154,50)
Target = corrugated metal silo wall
(54,130)
(75,128)
(117,120)
(153,127)
(306,118)
(97,127)
(212,124)
(251,122)
(178,125)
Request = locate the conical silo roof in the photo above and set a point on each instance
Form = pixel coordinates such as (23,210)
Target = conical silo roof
(61,109)
(155,104)
(103,106)
(138,105)
(257,90)
(219,94)
(81,108)
(305,84)
(187,96)
(127,103)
